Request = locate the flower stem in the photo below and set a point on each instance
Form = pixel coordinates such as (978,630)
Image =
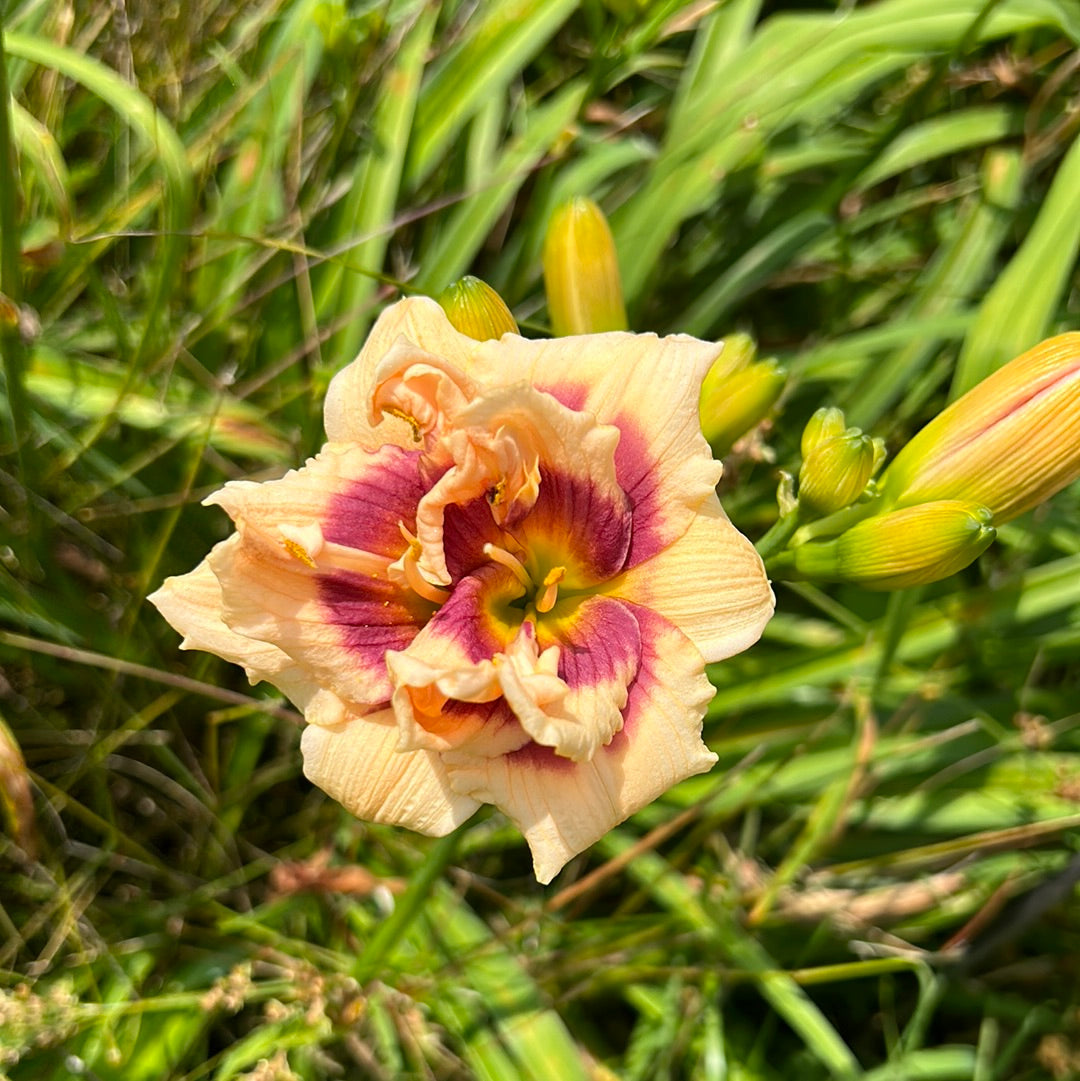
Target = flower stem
(778,536)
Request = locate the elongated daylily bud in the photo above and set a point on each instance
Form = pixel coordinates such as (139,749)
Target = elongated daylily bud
(835,472)
(826,423)
(907,547)
(1011,442)
(475,309)
(581,271)
(730,407)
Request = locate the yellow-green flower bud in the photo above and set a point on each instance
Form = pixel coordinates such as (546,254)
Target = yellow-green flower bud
(475,309)
(581,271)
(737,352)
(835,471)
(1010,443)
(906,547)
(826,423)
(730,407)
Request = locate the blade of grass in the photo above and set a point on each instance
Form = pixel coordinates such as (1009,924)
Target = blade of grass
(796,68)
(1054,587)
(941,136)
(787,998)
(457,244)
(957,271)
(367,212)
(502,1006)
(159,136)
(499,41)
(1019,309)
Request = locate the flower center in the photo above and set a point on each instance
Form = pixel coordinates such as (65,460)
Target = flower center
(543,595)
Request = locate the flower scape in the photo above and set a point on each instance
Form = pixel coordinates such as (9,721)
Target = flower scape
(498,582)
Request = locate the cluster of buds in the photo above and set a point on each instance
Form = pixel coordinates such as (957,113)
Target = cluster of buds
(1003,448)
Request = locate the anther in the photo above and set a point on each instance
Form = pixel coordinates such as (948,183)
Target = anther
(410,420)
(546,601)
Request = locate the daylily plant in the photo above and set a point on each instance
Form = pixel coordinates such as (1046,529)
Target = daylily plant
(499,582)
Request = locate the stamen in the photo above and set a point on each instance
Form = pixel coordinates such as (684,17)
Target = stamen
(416,581)
(546,601)
(411,421)
(511,563)
(421,585)
(297,551)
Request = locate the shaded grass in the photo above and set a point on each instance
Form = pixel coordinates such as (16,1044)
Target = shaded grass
(874,882)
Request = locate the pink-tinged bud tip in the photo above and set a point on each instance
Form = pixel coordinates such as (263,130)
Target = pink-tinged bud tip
(1010,443)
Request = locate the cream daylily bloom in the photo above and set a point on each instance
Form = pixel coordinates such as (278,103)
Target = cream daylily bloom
(499,582)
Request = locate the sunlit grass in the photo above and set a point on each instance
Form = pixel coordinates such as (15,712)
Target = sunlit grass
(206,207)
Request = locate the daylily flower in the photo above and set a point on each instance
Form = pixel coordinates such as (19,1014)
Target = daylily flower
(499,582)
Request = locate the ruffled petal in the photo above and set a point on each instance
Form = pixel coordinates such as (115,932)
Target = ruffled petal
(509,445)
(599,644)
(421,322)
(711,584)
(446,689)
(562,807)
(311,572)
(192,604)
(357,763)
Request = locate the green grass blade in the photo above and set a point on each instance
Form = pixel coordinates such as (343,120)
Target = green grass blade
(952,280)
(161,140)
(774,251)
(252,197)
(494,984)
(1019,309)
(456,245)
(498,44)
(941,136)
(368,210)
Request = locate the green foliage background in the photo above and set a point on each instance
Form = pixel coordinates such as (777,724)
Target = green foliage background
(205,206)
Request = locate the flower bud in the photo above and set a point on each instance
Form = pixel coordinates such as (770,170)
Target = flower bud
(737,352)
(730,407)
(475,309)
(827,422)
(835,471)
(1010,443)
(907,547)
(581,271)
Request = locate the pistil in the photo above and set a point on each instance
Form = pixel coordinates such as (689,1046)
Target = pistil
(510,562)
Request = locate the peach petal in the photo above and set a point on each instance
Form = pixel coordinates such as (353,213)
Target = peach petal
(193,605)
(711,584)
(357,763)
(562,807)
(420,388)
(310,573)
(423,323)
